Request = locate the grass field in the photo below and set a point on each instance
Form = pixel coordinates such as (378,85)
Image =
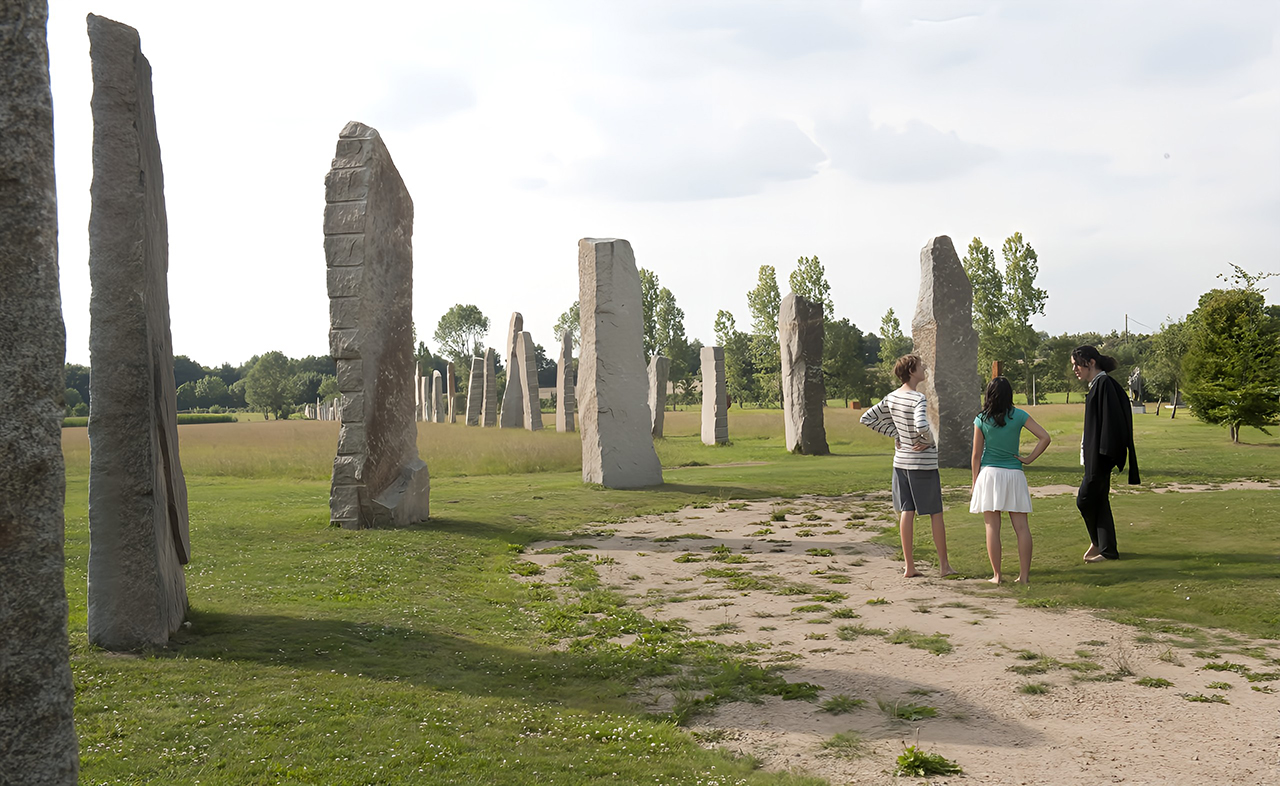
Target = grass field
(320,656)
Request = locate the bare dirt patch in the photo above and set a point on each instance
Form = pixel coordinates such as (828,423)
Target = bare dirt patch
(1089,723)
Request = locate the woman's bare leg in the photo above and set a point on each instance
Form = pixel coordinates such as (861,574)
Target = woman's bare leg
(940,541)
(907,531)
(1023,530)
(992,519)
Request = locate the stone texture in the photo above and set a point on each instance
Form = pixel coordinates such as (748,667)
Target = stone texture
(451,391)
(437,397)
(945,340)
(489,408)
(475,392)
(659,367)
(800,337)
(617,448)
(513,396)
(526,360)
(566,401)
(138,533)
(37,731)
(378,478)
(715,398)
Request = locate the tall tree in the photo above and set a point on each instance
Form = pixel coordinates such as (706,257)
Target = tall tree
(844,366)
(670,337)
(570,321)
(764,301)
(809,281)
(186,370)
(1164,370)
(649,288)
(893,345)
(739,374)
(266,384)
(460,333)
(1003,304)
(211,391)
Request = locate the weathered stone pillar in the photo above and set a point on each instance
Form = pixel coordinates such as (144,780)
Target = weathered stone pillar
(658,370)
(138,534)
(437,397)
(945,340)
(475,392)
(451,390)
(527,361)
(37,730)
(800,336)
(513,396)
(715,398)
(566,403)
(489,408)
(418,402)
(378,478)
(617,448)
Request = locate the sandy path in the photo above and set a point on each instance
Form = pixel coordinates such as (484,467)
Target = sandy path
(1079,732)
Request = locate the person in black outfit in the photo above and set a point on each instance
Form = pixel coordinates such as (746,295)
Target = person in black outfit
(1106,445)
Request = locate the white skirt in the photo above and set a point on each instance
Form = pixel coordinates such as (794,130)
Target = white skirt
(1003,489)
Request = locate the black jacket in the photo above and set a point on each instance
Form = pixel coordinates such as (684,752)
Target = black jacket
(1108,430)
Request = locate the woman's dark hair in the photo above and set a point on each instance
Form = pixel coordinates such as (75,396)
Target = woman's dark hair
(1082,355)
(997,404)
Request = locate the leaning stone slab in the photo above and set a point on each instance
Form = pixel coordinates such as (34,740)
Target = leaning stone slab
(475,392)
(437,397)
(715,398)
(138,534)
(37,730)
(800,336)
(378,478)
(513,396)
(526,360)
(489,409)
(945,340)
(566,403)
(659,368)
(617,447)
(451,390)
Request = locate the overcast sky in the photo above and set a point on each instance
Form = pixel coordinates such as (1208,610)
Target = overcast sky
(1136,145)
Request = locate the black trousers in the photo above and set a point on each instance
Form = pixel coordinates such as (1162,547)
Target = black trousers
(1094,502)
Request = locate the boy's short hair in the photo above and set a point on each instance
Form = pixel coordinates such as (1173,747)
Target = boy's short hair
(905,367)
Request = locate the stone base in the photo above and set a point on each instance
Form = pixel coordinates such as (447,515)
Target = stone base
(1139,409)
(405,502)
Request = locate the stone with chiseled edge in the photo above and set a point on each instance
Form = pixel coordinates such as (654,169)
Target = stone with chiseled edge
(526,360)
(566,402)
(489,409)
(617,446)
(659,368)
(437,397)
(715,398)
(800,337)
(475,392)
(513,396)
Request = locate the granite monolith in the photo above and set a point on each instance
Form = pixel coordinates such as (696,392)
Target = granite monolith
(437,397)
(451,390)
(37,729)
(138,532)
(715,398)
(526,359)
(475,392)
(513,395)
(944,337)
(489,406)
(617,446)
(566,401)
(800,337)
(659,368)
(378,477)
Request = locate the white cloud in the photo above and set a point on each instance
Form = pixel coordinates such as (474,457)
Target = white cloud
(916,153)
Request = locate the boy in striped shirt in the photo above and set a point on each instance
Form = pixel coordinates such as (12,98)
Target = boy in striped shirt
(917,487)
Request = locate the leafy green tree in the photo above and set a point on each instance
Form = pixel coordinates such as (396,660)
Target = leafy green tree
(460,333)
(235,392)
(844,365)
(1003,304)
(739,374)
(303,388)
(77,378)
(186,370)
(71,398)
(893,345)
(809,281)
(671,340)
(649,287)
(1232,363)
(328,389)
(1163,371)
(765,355)
(187,395)
(211,391)
(570,321)
(266,384)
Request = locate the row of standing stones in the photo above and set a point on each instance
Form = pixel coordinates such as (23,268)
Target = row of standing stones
(139,537)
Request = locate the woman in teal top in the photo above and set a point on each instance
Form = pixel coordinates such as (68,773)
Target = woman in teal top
(999,484)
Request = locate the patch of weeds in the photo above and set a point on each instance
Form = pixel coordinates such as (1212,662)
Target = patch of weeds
(1262,676)
(736,505)
(687,557)
(1093,643)
(815,636)
(794,589)
(1207,654)
(922,609)
(724,627)
(1035,688)
(1153,682)
(845,614)
(857,562)
(846,744)
(1218,686)
(921,692)
(878,602)
(682,536)
(710,735)
(1040,603)
(1253,652)
(808,608)
(1040,666)
(1216,698)
(811,517)
(635,577)
(1146,638)
(936,643)
(916,763)
(1262,688)
(731,559)
(805,533)
(1084,654)
(568,548)
(760,533)
(820,552)
(731,679)
(851,632)
(842,703)
(1028,655)
(526,568)
(839,579)
(906,711)
(1082,666)
(854,525)
(829,597)
(1169,656)
(767,627)
(778,515)
(1226,665)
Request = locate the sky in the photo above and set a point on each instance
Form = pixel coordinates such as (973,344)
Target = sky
(1135,145)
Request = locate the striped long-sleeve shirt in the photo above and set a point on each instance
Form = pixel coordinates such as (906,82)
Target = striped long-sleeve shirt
(903,415)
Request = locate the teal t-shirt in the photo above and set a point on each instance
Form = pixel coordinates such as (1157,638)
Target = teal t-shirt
(1000,443)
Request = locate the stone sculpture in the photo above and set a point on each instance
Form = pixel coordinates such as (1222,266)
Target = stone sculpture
(437,397)
(475,392)
(138,534)
(617,448)
(526,360)
(715,398)
(489,410)
(566,403)
(659,367)
(418,402)
(37,730)
(378,478)
(513,396)
(451,390)
(945,340)
(800,336)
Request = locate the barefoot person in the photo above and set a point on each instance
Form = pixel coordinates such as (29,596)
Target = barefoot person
(999,484)
(1107,442)
(917,487)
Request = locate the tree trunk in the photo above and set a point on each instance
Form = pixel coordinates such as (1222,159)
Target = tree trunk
(1176,392)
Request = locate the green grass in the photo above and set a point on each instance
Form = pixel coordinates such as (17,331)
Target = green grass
(1153,682)
(846,744)
(916,763)
(842,703)
(1035,688)
(935,643)
(906,711)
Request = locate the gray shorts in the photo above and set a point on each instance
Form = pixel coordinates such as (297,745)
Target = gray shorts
(917,489)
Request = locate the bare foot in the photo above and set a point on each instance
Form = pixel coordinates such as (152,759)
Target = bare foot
(1091,553)
(1023,582)
(949,572)
(1095,558)
(994,579)
(911,574)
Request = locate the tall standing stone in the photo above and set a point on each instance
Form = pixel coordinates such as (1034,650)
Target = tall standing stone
(659,368)
(489,407)
(566,402)
(451,390)
(617,447)
(715,398)
(378,478)
(945,340)
(475,392)
(513,396)
(800,337)
(437,397)
(138,534)
(417,392)
(37,730)
(527,360)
